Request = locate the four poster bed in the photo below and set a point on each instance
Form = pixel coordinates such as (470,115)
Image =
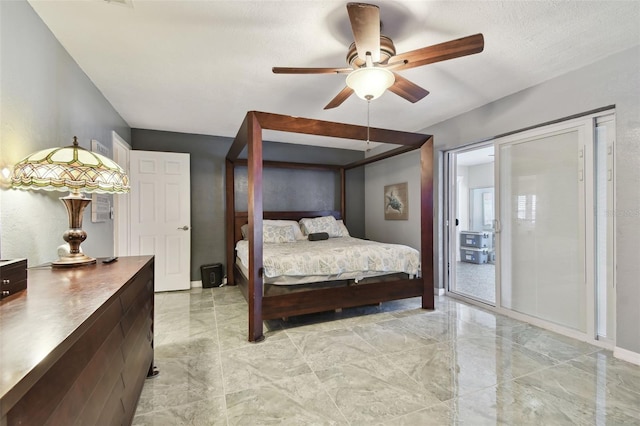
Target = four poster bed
(252,263)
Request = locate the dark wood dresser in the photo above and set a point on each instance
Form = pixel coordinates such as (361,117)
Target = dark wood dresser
(77,344)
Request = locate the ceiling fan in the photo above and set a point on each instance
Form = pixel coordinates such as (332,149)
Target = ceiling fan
(373,60)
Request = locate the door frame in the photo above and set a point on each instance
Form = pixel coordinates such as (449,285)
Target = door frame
(121,203)
(607,212)
(450,228)
(450,193)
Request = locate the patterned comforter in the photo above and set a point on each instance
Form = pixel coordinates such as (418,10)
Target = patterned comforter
(333,257)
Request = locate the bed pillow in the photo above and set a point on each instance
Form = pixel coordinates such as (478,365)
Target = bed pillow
(295,225)
(244,229)
(326,224)
(344,232)
(278,234)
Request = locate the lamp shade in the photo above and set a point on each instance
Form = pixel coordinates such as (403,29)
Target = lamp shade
(370,82)
(71,168)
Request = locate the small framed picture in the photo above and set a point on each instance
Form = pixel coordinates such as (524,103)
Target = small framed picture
(101,203)
(396,202)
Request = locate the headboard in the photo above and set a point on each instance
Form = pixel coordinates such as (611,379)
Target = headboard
(243,217)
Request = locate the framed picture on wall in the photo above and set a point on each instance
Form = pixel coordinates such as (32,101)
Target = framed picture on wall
(396,202)
(100,203)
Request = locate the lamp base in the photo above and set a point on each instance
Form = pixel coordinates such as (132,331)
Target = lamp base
(70,261)
(75,204)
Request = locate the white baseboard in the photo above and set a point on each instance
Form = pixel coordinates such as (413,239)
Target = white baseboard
(606,342)
(438,291)
(198,284)
(626,355)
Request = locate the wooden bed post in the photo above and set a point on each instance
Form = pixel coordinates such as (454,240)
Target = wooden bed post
(249,136)
(235,149)
(426,222)
(343,194)
(230,201)
(254,171)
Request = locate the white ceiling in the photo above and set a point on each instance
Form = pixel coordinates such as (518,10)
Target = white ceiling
(199,66)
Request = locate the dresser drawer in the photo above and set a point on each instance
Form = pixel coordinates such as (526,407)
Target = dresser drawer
(13,276)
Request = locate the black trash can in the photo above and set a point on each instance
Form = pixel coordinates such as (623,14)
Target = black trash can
(211,275)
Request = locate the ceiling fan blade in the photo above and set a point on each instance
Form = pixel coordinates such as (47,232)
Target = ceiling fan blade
(293,70)
(408,90)
(340,98)
(365,25)
(440,52)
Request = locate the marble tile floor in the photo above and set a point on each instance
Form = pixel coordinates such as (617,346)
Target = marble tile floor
(393,364)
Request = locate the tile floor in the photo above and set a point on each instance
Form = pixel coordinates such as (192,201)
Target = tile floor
(477,281)
(393,364)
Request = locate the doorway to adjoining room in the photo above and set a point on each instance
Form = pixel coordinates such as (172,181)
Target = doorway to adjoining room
(472,236)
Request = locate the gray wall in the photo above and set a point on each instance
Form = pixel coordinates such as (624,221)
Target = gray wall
(399,169)
(612,81)
(286,189)
(283,189)
(45,100)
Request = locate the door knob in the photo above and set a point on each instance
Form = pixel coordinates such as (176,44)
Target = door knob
(184,228)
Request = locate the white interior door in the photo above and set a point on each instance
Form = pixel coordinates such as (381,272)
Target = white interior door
(160,215)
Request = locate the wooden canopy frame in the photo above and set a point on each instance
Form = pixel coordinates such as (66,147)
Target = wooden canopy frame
(250,136)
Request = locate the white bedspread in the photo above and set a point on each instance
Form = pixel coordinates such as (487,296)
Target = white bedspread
(333,257)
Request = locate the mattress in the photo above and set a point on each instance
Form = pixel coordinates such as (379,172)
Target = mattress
(285,280)
(333,259)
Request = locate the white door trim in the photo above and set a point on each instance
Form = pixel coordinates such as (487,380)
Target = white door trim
(121,203)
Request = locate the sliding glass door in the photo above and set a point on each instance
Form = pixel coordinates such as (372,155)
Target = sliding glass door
(544,190)
(547,226)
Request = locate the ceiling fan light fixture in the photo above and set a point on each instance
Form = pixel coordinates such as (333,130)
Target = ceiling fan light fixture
(370,82)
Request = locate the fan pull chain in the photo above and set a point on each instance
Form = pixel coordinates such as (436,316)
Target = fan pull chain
(368,119)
